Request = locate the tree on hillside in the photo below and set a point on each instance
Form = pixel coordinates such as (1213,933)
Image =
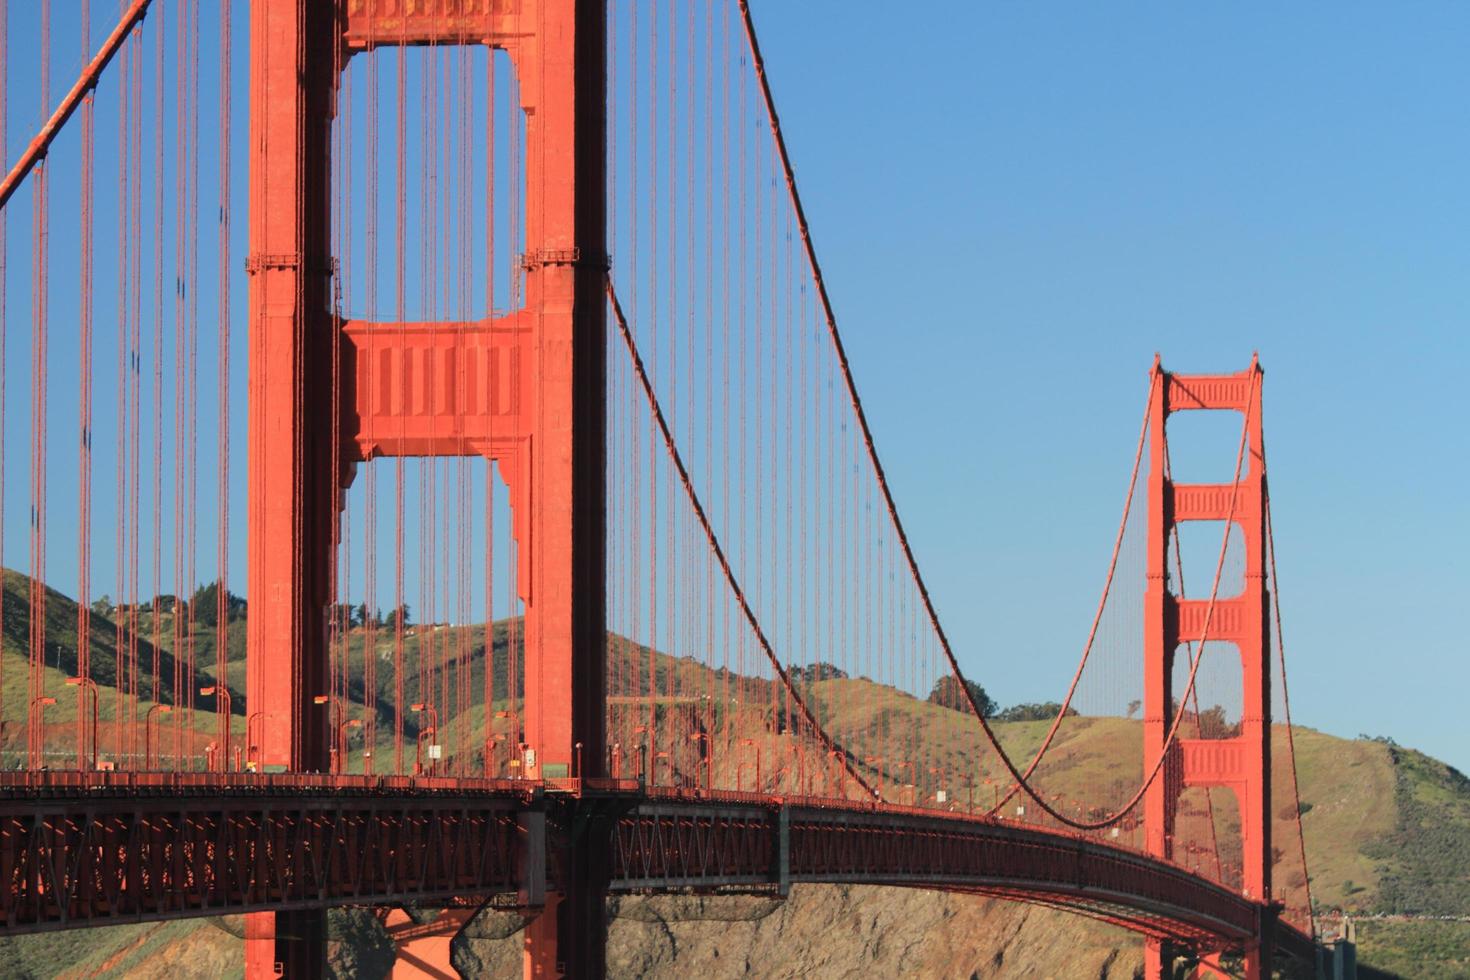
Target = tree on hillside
(947,693)
(819,671)
(402,614)
(1045,711)
(347,614)
(205,603)
(1213,722)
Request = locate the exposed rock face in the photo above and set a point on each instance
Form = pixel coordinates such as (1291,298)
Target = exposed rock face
(831,931)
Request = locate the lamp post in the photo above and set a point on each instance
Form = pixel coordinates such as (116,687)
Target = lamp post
(707,761)
(490,743)
(876,763)
(38,709)
(757,746)
(644,776)
(798,750)
(87,684)
(250,747)
(841,759)
(433,729)
(222,699)
(940,780)
(157,709)
(333,703)
(340,749)
(913,777)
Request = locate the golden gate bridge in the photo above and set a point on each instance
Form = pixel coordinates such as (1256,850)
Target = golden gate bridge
(538,343)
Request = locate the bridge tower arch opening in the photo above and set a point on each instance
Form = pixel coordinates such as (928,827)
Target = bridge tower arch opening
(552,447)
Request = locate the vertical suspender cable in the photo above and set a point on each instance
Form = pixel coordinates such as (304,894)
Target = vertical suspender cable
(4,290)
(40,249)
(399,309)
(84,440)
(371,610)
(681,473)
(123,375)
(1285,696)
(490,102)
(222,592)
(158,255)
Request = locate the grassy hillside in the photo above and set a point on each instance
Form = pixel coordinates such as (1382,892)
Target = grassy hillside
(1387,829)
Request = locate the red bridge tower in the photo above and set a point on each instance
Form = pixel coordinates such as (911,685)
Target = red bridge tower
(535,402)
(1243,763)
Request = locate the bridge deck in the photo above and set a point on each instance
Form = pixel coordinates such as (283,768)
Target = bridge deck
(84,849)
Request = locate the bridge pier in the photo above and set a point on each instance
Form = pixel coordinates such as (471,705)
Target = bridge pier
(286,944)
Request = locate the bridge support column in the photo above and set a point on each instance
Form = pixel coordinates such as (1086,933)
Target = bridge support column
(1243,763)
(293,497)
(424,950)
(285,944)
(541,405)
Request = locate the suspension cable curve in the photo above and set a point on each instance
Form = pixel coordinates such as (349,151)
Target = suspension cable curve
(714,542)
(829,314)
(1285,696)
(1101,603)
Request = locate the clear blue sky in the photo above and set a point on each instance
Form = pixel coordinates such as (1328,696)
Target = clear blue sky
(1017,204)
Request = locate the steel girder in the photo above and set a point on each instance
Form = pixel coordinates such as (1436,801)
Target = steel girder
(690,845)
(109,858)
(674,845)
(108,854)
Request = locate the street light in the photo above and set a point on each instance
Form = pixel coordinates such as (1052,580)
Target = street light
(433,730)
(148,732)
(708,760)
(875,762)
(340,749)
(941,795)
(842,771)
(87,684)
(913,777)
(38,708)
(253,748)
(644,776)
(798,749)
(222,698)
(663,755)
(757,746)
(491,769)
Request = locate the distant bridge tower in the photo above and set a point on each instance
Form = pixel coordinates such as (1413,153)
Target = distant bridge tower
(537,406)
(1243,763)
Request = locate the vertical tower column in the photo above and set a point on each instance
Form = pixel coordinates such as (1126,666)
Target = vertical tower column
(539,409)
(292,495)
(1243,763)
